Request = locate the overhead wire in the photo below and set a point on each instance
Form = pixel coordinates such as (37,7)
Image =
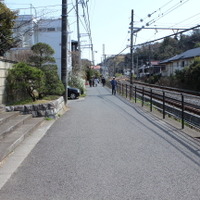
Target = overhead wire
(155,11)
(180,32)
(86,23)
(27,22)
(164,13)
(187,19)
(169,10)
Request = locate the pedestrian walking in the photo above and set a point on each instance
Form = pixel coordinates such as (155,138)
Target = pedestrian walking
(103,80)
(90,82)
(114,85)
(96,82)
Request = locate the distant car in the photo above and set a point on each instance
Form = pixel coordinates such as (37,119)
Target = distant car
(73,93)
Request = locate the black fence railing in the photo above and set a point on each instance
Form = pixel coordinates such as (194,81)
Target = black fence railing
(181,106)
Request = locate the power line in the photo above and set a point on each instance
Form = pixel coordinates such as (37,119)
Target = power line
(149,15)
(141,44)
(161,28)
(46,6)
(172,8)
(187,19)
(169,10)
(86,23)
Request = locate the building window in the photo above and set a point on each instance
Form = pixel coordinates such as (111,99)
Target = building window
(42,29)
(50,29)
(182,64)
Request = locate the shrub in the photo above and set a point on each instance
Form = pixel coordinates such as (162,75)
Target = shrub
(53,84)
(77,82)
(24,79)
(153,79)
(189,77)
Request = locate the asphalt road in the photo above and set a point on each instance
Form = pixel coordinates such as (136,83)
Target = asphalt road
(105,149)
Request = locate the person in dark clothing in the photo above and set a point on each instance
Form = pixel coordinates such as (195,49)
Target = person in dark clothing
(90,82)
(103,80)
(114,85)
(93,82)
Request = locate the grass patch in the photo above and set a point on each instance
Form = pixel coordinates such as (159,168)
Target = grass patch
(51,97)
(27,101)
(45,99)
(83,95)
(48,118)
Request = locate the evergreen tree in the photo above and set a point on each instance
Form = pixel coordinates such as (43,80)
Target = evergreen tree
(43,59)
(6,24)
(24,78)
(42,54)
(53,84)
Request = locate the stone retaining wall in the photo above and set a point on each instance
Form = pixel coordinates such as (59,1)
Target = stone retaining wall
(4,66)
(51,109)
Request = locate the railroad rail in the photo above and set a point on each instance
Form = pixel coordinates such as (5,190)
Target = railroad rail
(181,104)
(189,92)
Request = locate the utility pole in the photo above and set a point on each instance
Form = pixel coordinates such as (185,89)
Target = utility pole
(78,36)
(104,59)
(131,49)
(35,24)
(92,51)
(64,52)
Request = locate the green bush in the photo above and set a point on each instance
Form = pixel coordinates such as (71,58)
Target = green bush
(77,82)
(43,59)
(189,77)
(42,54)
(36,82)
(153,79)
(24,79)
(53,85)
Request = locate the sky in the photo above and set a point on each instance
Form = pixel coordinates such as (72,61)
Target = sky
(110,21)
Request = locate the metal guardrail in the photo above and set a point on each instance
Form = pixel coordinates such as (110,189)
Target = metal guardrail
(167,102)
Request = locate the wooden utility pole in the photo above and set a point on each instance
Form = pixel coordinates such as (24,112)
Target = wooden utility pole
(78,37)
(131,49)
(64,41)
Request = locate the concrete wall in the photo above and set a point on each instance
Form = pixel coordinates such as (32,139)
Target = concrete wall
(4,66)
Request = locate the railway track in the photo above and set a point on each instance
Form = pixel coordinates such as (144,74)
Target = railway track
(181,103)
(172,99)
(188,92)
(173,96)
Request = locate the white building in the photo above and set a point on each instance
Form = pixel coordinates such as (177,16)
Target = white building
(24,31)
(180,61)
(29,31)
(49,31)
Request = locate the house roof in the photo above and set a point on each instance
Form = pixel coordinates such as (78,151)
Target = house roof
(185,55)
(97,67)
(155,62)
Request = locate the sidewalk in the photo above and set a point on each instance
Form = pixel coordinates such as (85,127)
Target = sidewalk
(106,148)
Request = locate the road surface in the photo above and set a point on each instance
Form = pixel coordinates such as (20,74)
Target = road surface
(105,149)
